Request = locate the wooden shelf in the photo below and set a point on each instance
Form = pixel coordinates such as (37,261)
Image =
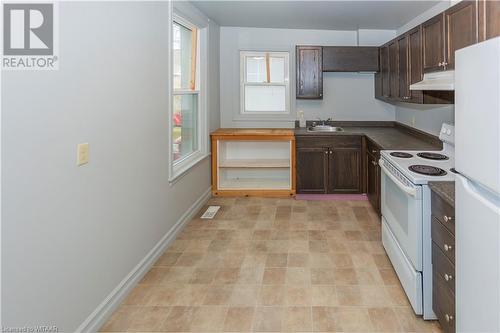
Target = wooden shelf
(259,163)
(254,184)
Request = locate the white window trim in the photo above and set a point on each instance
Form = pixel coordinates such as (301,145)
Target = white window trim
(179,168)
(243,83)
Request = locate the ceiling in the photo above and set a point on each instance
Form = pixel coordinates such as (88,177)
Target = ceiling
(332,15)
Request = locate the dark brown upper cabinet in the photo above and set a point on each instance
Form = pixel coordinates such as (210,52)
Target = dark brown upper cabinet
(350,59)
(309,72)
(433,44)
(384,71)
(393,69)
(488,19)
(410,65)
(460,29)
(447,32)
(415,73)
(403,66)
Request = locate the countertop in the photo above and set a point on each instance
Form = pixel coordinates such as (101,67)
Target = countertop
(386,137)
(253,132)
(445,190)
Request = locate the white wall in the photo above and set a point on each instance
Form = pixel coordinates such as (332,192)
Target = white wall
(347,96)
(71,234)
(427,118)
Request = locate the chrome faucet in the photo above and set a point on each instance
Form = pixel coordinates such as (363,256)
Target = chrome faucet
(323,122)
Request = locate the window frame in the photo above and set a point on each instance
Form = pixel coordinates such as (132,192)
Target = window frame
(179,167)
(243,81)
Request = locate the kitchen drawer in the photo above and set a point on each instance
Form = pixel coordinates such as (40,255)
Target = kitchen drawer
(443,269)
(443,212)
(443,239)
(443,304)
(340,141)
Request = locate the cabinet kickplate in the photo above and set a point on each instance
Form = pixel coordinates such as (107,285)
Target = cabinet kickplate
(210,212)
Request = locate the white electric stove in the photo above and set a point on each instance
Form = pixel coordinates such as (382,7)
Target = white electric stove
(406,214)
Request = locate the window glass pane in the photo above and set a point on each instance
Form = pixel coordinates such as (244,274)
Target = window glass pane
(277,69)
(182,40)
(185,127)
(256,69)
(265,98)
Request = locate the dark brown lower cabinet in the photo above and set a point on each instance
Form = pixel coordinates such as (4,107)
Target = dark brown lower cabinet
(327,164)
(312,170)
(344,170)
(443,262)
(373,176)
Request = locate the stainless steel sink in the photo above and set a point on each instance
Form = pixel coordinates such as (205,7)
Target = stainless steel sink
(324,128)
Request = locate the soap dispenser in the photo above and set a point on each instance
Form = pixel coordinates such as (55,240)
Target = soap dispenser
(302,121)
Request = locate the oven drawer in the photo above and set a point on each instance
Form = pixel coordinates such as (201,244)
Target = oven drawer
(443,269)
(410,279)
(443,212)
(443,239)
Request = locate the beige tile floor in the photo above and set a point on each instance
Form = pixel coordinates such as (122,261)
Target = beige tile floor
(273,265)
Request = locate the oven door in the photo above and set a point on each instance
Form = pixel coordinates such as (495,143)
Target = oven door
(402,209)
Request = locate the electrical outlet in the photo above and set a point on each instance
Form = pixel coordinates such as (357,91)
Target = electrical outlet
(82,154)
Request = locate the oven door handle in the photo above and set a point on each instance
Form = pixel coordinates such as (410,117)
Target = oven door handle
(408,190)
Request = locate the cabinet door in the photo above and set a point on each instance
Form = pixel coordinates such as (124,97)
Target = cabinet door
(393,70)
(309,72)
(373,181)
(415,64)
(489,19)
(433,44)
(312,170)
(403,87)
(350,59)
(384,71)
(461,29)
(344,171)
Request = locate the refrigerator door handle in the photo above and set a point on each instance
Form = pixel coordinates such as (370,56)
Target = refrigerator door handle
(482,195)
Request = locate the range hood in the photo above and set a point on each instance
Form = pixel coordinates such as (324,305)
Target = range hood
(436,81)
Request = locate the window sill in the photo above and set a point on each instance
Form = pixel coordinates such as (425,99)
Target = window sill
(181,170)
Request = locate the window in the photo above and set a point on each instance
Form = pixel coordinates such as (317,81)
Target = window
(264,83)
(187,129)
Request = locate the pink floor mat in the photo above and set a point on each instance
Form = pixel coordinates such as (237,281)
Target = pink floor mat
(332,197)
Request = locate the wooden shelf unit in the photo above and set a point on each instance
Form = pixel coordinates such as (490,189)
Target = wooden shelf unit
(253,162)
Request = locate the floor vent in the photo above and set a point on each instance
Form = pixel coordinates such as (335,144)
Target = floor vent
(210,212)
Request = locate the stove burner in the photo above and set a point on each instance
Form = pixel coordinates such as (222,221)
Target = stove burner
(433,156)
(427,170)
(400,154)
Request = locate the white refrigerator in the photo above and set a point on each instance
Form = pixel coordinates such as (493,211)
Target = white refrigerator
(477,159)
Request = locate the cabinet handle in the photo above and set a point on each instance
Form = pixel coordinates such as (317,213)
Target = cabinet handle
(374,163)
(447,247)
(448,317)
(374,151)
(440,64)
(447,218)
(326,152)
(448,277)
(331,152)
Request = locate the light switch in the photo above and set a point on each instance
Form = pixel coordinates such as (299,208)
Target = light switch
(82,154)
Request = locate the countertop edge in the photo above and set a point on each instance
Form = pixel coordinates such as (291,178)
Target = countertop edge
(445,190)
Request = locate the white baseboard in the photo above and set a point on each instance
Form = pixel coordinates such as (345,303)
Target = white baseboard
(99,316)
